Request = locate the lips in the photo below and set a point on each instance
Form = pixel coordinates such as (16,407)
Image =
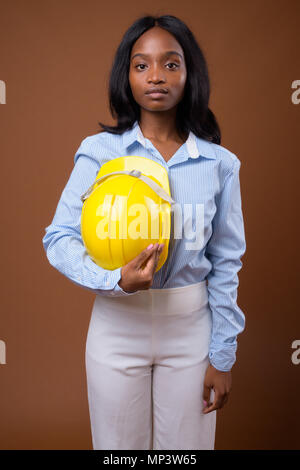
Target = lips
(156,90)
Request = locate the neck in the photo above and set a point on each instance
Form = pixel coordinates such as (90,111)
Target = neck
(159,126)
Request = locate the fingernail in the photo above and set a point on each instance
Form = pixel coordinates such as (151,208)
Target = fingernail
(150,246)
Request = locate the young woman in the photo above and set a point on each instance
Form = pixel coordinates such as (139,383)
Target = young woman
(160,345)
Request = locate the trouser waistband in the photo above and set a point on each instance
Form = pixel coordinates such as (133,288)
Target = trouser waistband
(169,301)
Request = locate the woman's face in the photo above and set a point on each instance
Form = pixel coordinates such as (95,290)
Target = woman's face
(152,65)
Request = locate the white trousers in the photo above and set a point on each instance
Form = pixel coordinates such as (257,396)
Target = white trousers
(146,358)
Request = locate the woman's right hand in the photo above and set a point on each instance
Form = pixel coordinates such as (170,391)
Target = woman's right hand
(138,273)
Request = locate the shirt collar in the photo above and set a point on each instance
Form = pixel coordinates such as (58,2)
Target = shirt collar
(195,146)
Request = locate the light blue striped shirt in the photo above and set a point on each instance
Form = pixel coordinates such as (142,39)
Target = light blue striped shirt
(200,173)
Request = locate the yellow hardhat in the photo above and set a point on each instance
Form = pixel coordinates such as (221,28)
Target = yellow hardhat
(111,231)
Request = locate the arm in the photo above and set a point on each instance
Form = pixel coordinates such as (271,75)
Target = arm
(63,243)
(224,250)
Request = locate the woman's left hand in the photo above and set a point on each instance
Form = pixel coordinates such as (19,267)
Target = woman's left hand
(221,383)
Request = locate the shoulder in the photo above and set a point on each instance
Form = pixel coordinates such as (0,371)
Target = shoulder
(102,139)
(101,146)
(226,160)
(226,157)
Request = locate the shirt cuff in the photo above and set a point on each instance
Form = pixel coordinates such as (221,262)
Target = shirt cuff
(222,356)
(111,284)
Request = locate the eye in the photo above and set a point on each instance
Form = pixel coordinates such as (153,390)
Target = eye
(139,66)
(173,63)
(169,63)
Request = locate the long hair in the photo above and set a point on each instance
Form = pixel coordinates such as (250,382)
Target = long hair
(193,112)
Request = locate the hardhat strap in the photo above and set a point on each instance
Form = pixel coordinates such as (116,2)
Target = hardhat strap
(138,174)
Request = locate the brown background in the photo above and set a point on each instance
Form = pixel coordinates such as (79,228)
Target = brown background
(55,58)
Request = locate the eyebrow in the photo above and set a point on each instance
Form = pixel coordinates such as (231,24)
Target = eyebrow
(165,54)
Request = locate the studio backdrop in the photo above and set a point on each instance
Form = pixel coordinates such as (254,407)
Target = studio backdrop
(55,59)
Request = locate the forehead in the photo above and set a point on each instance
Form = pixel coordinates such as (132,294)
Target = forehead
(156,41)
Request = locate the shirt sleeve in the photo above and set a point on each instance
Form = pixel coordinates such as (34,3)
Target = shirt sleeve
(224,250)
(62,241)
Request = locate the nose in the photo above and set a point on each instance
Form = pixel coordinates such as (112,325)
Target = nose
(156,75)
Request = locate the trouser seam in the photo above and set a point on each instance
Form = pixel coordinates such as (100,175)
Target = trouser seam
(152,326)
